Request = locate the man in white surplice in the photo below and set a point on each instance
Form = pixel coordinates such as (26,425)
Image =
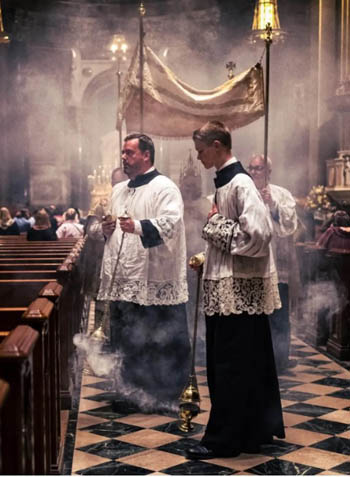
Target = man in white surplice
(282,208)
(240,290)
(144,275)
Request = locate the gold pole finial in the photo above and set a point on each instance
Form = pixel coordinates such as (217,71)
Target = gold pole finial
(142,9)
(266,23)
(268,30)
(4,37)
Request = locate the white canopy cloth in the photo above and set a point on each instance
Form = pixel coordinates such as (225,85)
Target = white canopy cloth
(172,108)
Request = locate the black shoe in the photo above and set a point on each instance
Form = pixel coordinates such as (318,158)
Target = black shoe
(121,406)
(200,452)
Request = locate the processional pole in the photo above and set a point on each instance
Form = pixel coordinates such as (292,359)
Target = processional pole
(266,25)
(142,12)
(268,41)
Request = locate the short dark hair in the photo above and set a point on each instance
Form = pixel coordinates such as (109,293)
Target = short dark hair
(213,131)
(341,219)
(145,143)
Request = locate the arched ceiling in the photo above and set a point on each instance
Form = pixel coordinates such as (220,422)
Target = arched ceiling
(120,7)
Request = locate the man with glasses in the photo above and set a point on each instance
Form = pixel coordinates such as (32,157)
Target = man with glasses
(282,207)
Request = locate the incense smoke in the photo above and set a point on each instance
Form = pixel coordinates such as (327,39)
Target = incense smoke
(110,365)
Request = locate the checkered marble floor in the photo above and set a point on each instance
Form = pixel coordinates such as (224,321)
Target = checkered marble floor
(316,406)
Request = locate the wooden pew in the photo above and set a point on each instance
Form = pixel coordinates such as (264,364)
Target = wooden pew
(13,266)
(20,292)
(56,337)
(28,260)
(27,274)
(52,291)
(16,367)
(40,316)
(338,344)
(327,266)
(4,390)
(35,251)
(71,309)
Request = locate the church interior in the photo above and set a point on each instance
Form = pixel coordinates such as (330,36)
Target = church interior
(65,67)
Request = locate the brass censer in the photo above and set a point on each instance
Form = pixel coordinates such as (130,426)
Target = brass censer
(99,333)
(190,398)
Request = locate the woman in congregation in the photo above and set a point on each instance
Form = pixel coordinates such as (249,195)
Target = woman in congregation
(8,225)
(42,229)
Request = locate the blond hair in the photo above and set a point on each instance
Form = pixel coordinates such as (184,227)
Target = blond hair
(5,218)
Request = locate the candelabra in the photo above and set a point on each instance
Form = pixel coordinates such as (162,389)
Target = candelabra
(100,188)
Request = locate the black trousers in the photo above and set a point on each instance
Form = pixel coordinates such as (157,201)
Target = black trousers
(246,408)
(280,330)
(155,346)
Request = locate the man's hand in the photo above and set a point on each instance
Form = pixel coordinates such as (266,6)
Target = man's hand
(266,196)
(213,211)
(127,225)
(108,225)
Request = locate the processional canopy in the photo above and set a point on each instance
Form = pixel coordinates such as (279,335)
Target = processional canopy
(172,108)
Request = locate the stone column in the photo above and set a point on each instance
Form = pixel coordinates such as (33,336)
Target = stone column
(344,83)
(322,85)
(4,163)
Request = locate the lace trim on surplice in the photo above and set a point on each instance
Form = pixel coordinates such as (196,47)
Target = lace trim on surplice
(147,293)
(237,295)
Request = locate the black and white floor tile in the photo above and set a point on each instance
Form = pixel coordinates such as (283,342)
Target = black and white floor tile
(315,397)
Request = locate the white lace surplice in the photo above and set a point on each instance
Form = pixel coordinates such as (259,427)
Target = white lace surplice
(147,276)
(239,272)
(284,227)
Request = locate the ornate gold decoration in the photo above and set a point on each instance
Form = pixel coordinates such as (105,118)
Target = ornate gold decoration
(189,404)
(142,10)
(266,23)
(4,37)
(119,46)
(99,334)
(100,187)
(197,260)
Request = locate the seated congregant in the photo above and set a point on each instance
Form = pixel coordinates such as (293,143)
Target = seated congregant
(71,226)
(24,220)
(337,234)
(8,225)
(42,229)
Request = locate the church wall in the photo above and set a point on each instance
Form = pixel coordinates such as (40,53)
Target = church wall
(58,143)
(48,126)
